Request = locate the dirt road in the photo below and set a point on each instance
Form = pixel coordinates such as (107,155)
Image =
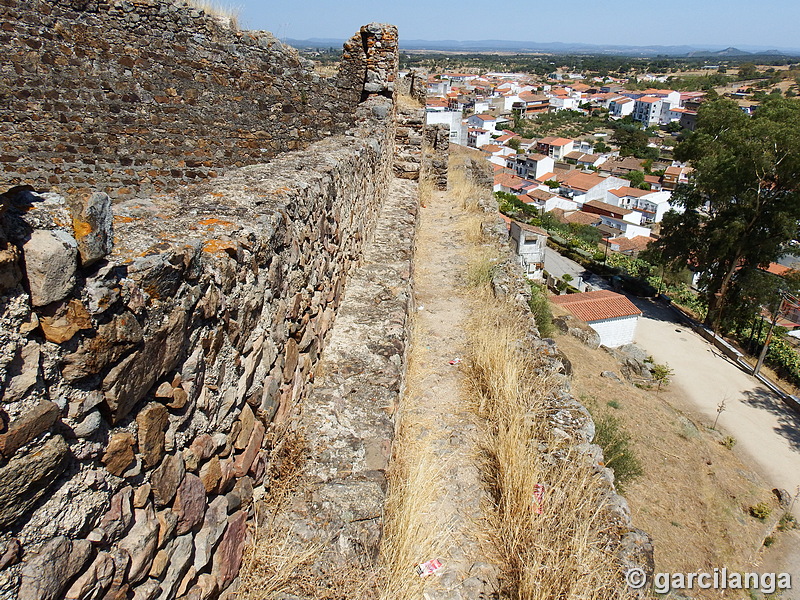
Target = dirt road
(767,432)
(764,428)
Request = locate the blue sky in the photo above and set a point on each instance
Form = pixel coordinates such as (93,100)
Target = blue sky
(771,23)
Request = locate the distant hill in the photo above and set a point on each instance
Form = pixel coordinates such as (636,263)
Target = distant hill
(565,48)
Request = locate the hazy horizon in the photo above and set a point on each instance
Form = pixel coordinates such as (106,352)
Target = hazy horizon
(733,23)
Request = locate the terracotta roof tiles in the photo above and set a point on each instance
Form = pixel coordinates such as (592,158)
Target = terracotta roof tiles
(597,306)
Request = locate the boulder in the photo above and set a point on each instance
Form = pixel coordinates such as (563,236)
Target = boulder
(50,264)
(92,222)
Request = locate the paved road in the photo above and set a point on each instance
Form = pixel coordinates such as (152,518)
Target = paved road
(558,265)
(764,427)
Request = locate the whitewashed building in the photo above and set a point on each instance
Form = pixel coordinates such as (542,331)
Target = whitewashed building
(529,243)
(611,315)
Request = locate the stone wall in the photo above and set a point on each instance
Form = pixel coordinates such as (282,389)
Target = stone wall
(150,352)
(125,96)
(437,147)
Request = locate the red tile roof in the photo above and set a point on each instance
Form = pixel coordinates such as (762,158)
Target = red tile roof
(597,306)
(581,218)
(636,243)
(630,191)
(604,206)
(582,182)
(508,180)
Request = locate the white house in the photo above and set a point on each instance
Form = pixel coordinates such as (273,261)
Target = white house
(530,166)
(620,107)
(611,315)
(555,147)
(452,119)
(626,222)
(486,122)
(547,201)
(529,243)
(651,204)
(477,137)
(584,187)
(647,110)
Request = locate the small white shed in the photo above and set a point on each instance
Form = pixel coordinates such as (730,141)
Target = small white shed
(611,315)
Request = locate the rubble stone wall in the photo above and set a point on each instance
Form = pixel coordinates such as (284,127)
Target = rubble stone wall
(125,96)
(152,351)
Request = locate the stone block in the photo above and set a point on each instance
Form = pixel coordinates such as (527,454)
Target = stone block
(50,263)
(28,426)
(92,222)
(26,478)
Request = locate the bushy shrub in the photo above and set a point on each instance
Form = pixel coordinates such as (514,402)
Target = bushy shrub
(540,307)
(615,442)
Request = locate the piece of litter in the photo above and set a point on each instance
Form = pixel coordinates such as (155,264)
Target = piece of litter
(538,494)
(429,568)
(421,307)
(455,361)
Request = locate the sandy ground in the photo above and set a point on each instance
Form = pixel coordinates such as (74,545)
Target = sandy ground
(766,430)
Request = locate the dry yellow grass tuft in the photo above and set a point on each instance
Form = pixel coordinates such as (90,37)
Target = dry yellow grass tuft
(553,531)
(460,185)
(412,534)
(407,102)
(224,13)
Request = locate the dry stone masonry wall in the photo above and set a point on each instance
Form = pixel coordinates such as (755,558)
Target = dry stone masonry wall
(150,350)
(123,96)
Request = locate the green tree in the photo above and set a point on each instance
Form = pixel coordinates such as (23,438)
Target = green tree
(635,177)
(748,71)
(743,202)
(630,138)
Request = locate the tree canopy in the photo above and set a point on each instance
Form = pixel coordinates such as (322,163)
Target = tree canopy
(742,204)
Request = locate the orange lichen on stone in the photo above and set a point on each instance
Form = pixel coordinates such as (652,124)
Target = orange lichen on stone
(123,219)
(81,228)
(211,222)
(216,246)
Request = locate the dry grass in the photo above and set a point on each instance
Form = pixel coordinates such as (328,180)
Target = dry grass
(326,70)
(224,13)
(567,550)
(407,102)
(426,190)
(412,534)
(460,184)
